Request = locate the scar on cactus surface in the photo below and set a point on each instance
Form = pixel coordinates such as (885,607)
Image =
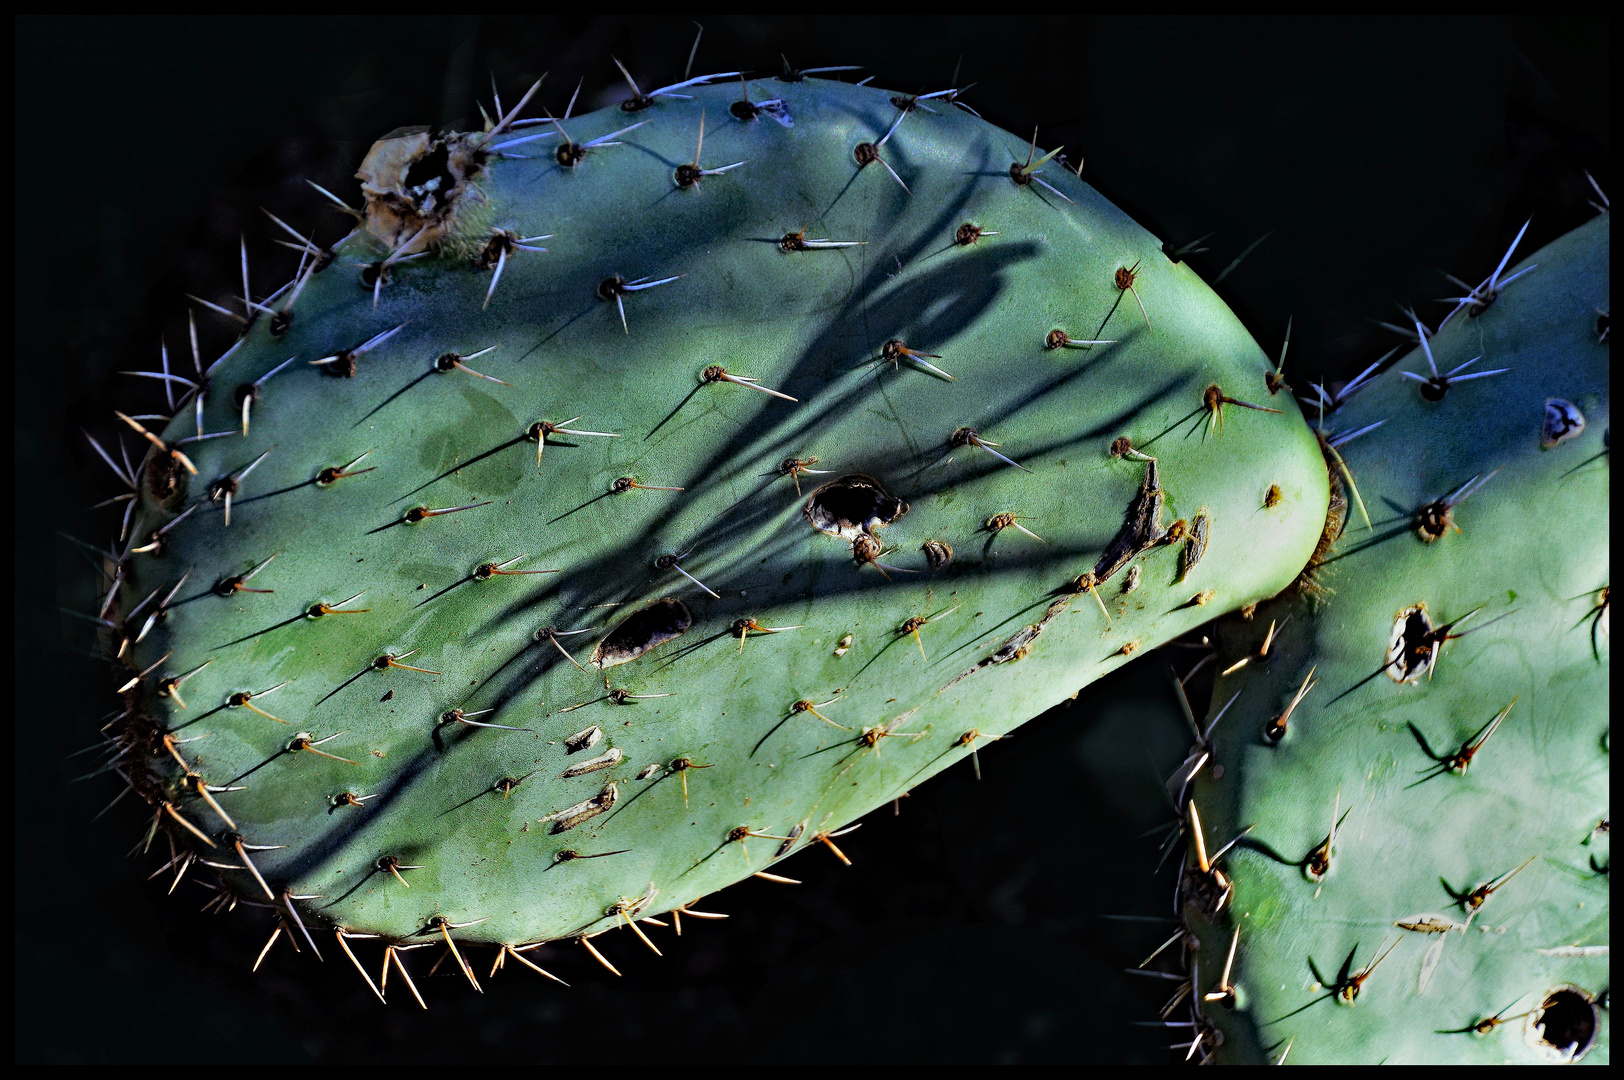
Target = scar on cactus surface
(415,538)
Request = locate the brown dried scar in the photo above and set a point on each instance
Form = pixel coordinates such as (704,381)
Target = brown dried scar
(608,759)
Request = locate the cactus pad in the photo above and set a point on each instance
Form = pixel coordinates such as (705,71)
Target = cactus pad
(620,509)
(1420,752)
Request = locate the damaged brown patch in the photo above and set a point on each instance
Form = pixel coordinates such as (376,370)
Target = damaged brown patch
(851,506)
(1564,1027)
(1411,648)
(1141,524)
(938,553)
(1195,544)
(418,183)
(1308,582)
(1205,892)
(165,478)
(1018,644)
(660,622)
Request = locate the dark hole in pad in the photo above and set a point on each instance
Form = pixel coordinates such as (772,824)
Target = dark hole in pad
(662,621)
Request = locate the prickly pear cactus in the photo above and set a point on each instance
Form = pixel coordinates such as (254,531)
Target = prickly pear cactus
(1416,746)
(634,500)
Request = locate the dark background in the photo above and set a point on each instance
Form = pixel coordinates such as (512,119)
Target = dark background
(1376,154)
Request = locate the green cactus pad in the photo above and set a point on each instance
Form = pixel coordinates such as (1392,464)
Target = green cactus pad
(483,693)
(1448,762)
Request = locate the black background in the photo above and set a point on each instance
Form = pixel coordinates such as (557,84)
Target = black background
(1376,153)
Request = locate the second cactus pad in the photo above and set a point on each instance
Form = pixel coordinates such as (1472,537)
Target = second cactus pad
(1420,751)
(562,587)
